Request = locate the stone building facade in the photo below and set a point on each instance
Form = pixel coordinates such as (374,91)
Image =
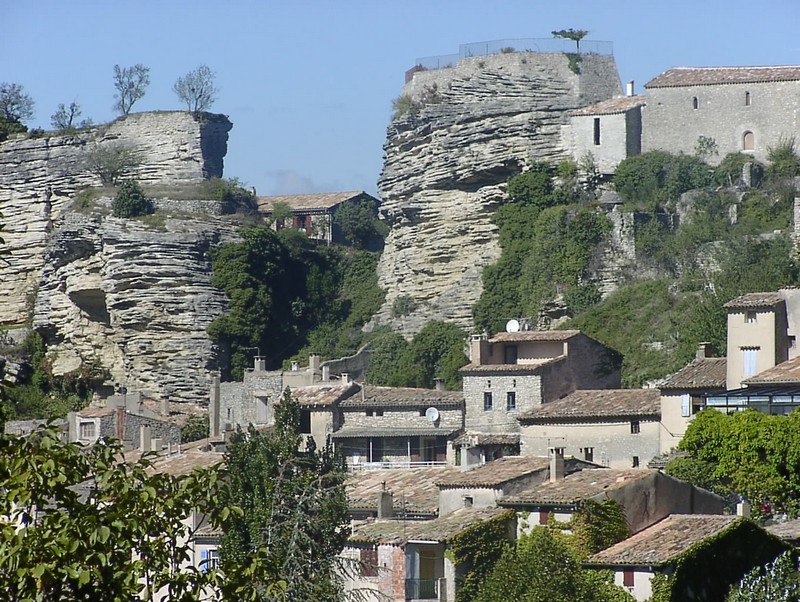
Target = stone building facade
(744,109)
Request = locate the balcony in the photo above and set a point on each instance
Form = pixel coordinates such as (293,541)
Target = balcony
(422,589)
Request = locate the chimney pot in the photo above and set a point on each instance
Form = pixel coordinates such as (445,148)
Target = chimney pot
(260,364)
(703,350)
(345,378)
(440,384)
(385,504)
(557,468)
(629,90)
(295,366)
(326,373)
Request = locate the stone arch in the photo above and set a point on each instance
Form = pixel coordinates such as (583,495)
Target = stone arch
(748,141)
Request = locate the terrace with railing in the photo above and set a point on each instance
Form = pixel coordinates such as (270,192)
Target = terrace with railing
(508,46)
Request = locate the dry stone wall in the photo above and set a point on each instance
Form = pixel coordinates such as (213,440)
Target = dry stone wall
(446,167)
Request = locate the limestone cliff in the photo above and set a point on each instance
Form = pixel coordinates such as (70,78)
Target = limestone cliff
(133,298)
(446,166)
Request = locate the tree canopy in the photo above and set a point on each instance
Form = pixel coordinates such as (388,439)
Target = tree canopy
(131,83)
(196,89)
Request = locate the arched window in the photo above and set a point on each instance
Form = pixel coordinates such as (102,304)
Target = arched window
(747,99)
(695,103)
(748,141)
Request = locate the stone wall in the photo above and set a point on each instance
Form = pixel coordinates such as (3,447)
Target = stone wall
(526,386)
(446,168)
(239,400)
(671,123)
(405,418)
(39,177)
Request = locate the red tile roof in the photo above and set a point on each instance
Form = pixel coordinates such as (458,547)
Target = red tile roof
(707,76)
(622,104)
(494,474)
(404,397)
(413,489)
(598,403)
(578,486)
(787,372)
(323,395)
(308,202)
(663,542)
(526,366)
(703,373)
(755,300)
(534,335)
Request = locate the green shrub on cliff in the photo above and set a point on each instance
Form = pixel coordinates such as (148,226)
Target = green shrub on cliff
(131,201)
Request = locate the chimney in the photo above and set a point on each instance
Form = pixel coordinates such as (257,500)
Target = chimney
(295,366)
(260,364)
(629,89)
(145,443)
(743,508)
(703,350)
(345,376)
(326,373)
(120,423)
(165,408)
(313,366)
(213,406)
(440,384)
(479,347)
(385,503)
(557,470)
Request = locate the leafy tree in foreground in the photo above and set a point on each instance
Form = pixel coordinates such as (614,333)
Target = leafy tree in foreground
(196,89)
(777,581)
(294,519)
(131,83)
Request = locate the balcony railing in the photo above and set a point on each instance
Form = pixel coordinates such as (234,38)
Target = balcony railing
(422,589)
(375,465)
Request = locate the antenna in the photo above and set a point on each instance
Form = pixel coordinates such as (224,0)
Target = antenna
(432,414)
(512,326)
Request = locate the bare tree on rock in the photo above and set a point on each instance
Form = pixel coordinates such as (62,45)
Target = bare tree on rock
(130,83)
(197,89)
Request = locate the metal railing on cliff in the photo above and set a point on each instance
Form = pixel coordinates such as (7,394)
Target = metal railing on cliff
(512,45)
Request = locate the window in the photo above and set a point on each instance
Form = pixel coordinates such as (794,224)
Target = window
(597,131)
(511,401)
(635,429)
(209,559)
(487,401)
(750,317)
(686,405)
(749,360)
(627,578)
(544,517)
(468,501)
(695,103)
(368,567)
(748,141)
(588,453)
(305,422)
(747,99)
(379,412)
(369,413)
(87,431)
(635,463)
(510,354)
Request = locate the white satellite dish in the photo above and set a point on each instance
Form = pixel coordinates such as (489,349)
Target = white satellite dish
(432,414)
(512,326)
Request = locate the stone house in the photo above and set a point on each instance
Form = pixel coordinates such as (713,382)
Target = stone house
(646,496)
(512,373)
(614,427)
(313,214)
(610,131)
(744,109)
(705,554)
(397,426)
(407,560)
(129,418)
(684,394)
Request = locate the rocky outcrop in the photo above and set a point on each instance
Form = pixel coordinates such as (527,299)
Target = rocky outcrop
(447,164)
(39,177)
(134,300)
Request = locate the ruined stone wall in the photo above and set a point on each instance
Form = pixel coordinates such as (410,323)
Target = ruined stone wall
(447,165)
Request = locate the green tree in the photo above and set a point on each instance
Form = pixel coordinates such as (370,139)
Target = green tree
(777,581)
(130,201)
(196,89)
(196,428)
(65,119)
(359,223)
(654,178)
(576,35)
(294,518)
(534,186)
(15,104)
(131,83)
(113,162)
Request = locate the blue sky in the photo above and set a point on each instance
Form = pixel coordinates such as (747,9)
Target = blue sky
(308,84)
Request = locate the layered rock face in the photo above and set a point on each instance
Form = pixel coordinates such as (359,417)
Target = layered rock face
(38,178)
(134,300)
(446,167)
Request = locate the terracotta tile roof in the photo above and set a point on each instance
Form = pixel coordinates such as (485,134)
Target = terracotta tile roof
(703,373)
(534,335)
(661,543)
(404,397)
(439,529)
(706,76)
(528,367)
(414,489)
(784,373)
(494,474)
(598,404)
(611,106)
(754,301)
(323,395)
(487,439)
(308,202)
(578,486)
(96,412)
(191,456)
(788,530)
(357,432)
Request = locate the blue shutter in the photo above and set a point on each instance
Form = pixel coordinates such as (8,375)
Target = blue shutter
(204,560)
(686,405)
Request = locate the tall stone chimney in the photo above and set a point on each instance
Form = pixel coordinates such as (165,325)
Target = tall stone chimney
(557,468)
(479,349)
(213,406)
(703,350)
(629,89)
(385,503)
(145,442)
(313,368)
(326,373)
(260,364)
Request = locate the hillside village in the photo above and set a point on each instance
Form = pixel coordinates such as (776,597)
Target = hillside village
(540,428)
